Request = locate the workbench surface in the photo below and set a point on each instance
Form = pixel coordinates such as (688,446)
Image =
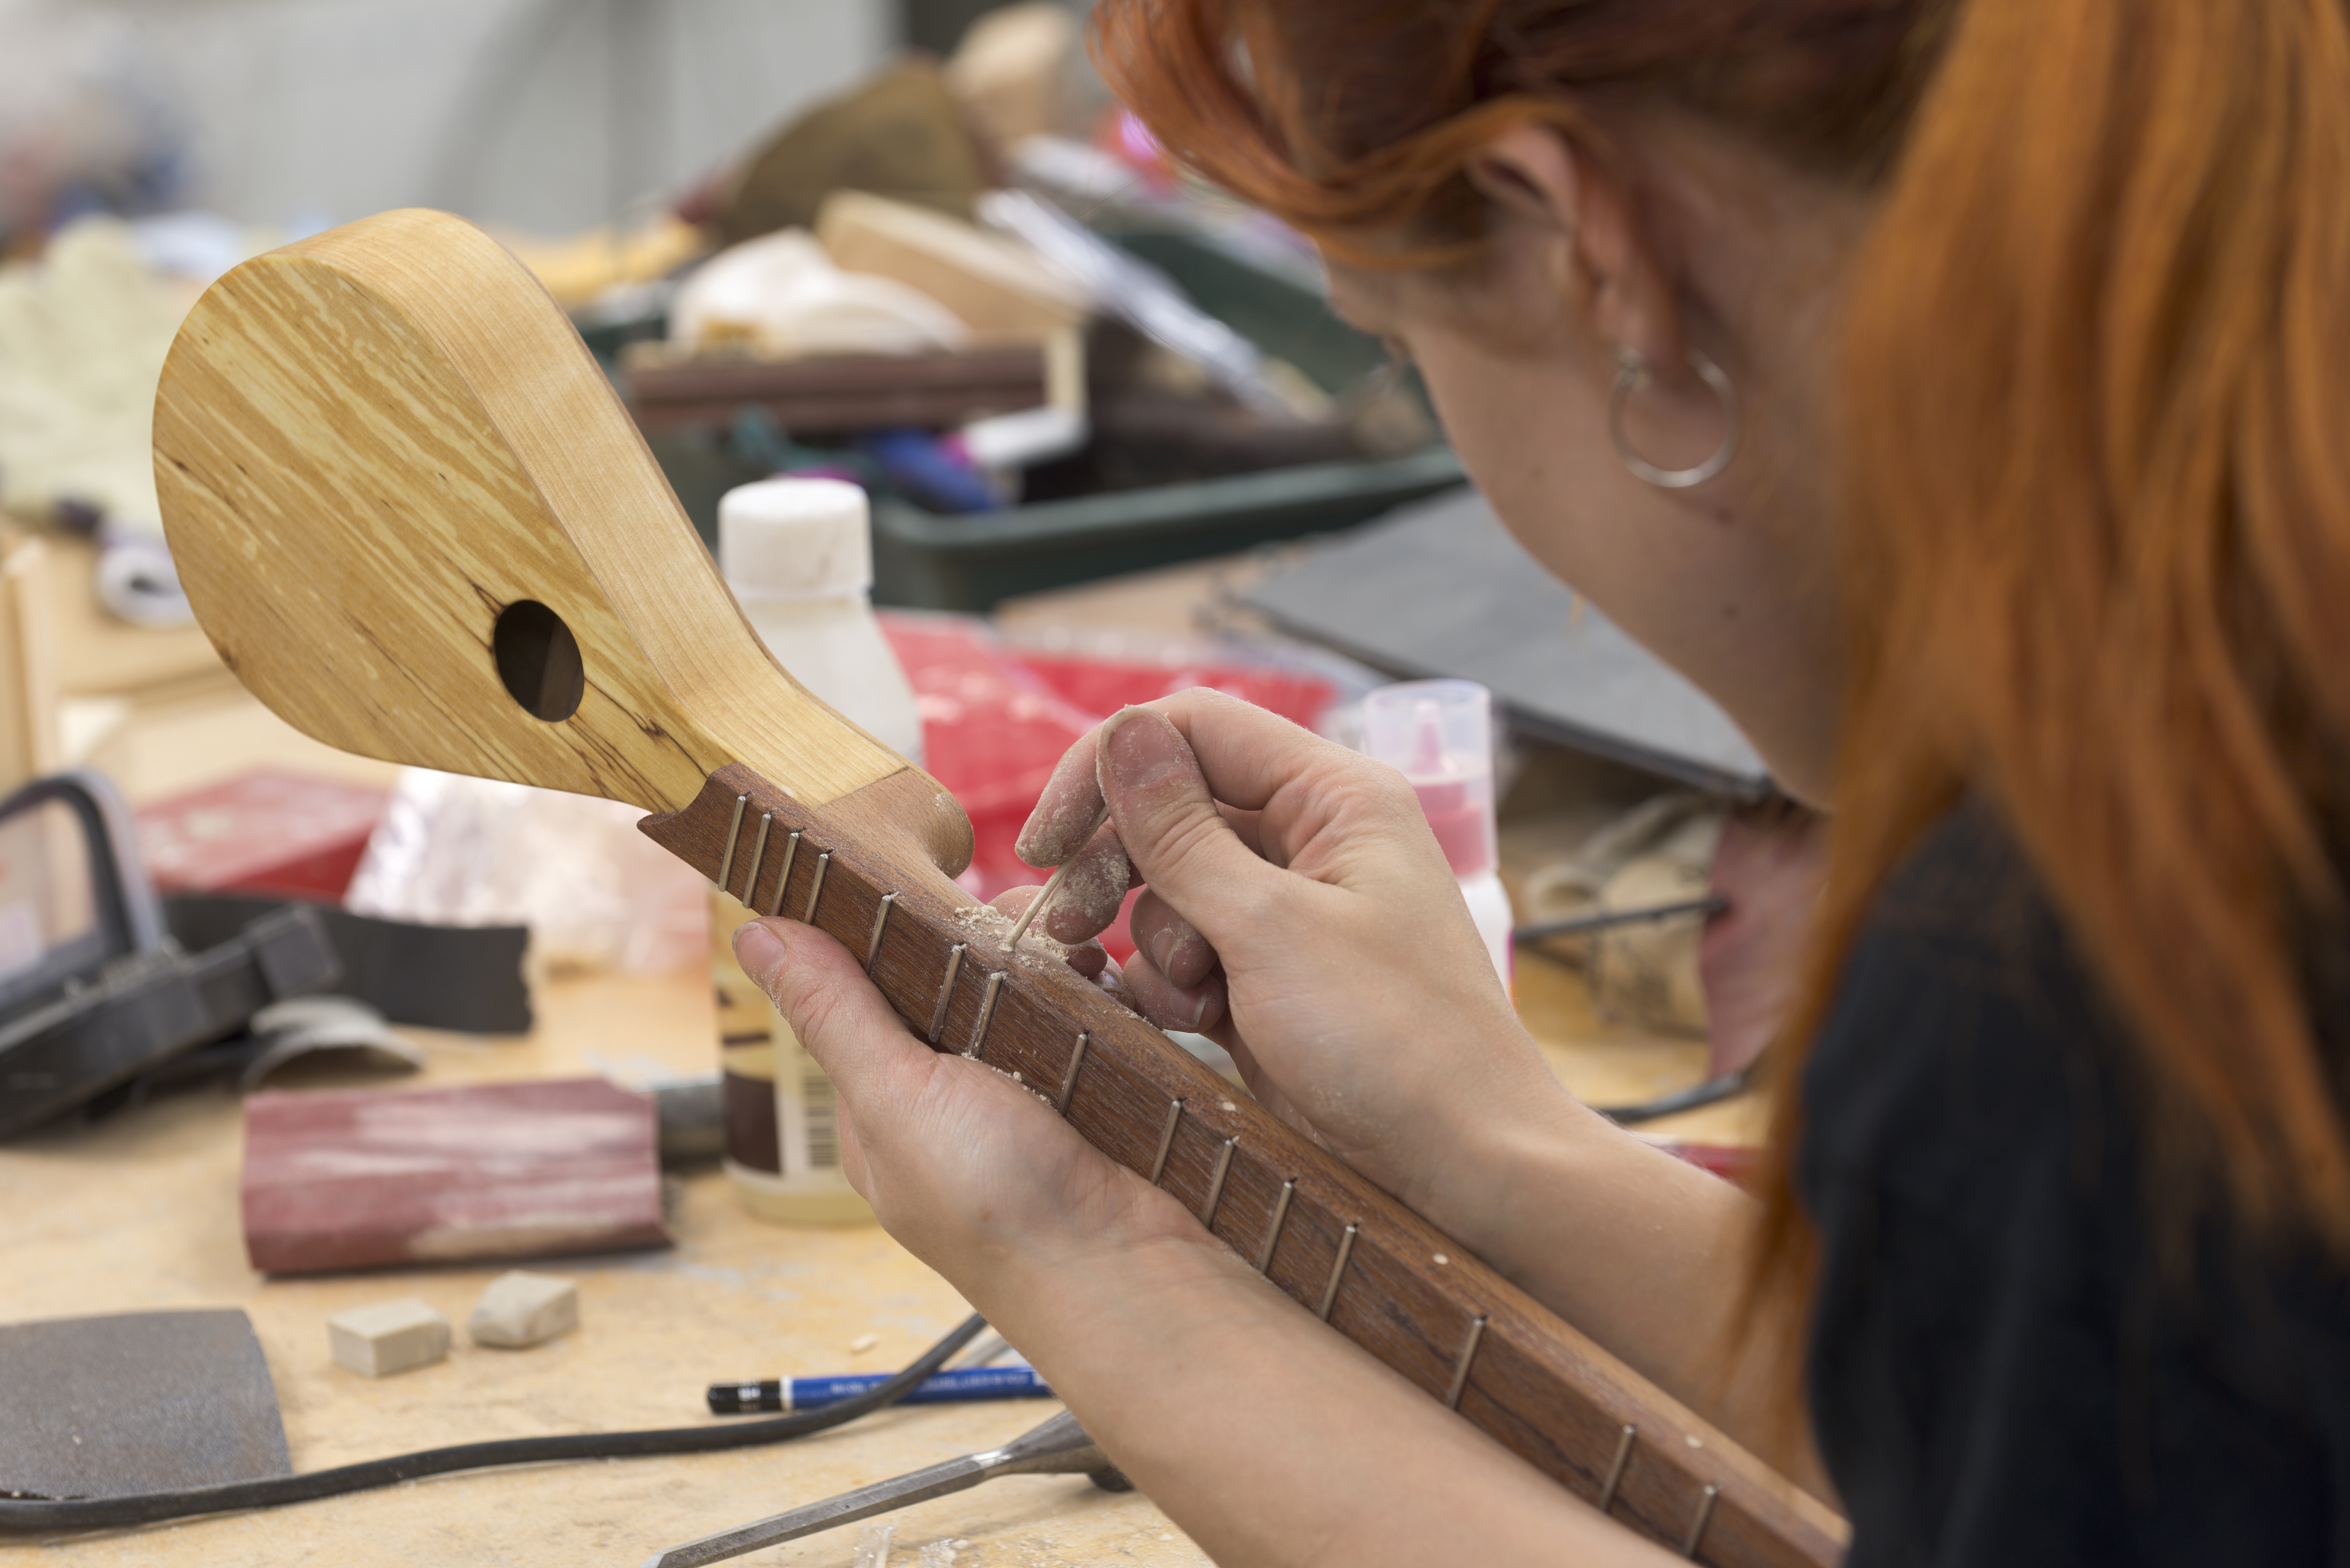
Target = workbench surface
(140,1212)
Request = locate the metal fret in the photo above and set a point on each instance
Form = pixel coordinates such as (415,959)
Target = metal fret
(946,990)
(1165,1142)
(815,888)
(1704,1517)
(1338,1271)
(784,877)
(1616,1466)
(1069,1078)
(733,832)
(1216,1182)
(1468,1359)
(986,1016)
(1272,1234)
(881,920)
(758,858)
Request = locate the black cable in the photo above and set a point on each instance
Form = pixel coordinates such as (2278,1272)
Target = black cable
(1712,1091)
(146,1507)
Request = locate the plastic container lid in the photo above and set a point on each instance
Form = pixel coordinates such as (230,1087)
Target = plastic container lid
(795,539)
(1440,734)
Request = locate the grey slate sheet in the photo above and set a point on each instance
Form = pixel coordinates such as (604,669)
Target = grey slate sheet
(1440,588)
(142,1401)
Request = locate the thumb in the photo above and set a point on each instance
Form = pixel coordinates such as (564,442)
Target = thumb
(1160,803)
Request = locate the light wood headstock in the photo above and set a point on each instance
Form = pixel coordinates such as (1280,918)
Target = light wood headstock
(417,522)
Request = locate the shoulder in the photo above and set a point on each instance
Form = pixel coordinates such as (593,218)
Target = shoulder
(1964,1028)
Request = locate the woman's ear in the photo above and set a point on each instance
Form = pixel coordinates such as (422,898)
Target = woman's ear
(1552,193)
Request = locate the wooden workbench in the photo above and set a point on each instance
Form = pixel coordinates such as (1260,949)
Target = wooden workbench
(140,1212)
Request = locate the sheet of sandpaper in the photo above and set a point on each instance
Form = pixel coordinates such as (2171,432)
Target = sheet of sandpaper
(356,1179)
(1440,588)
(136,1402)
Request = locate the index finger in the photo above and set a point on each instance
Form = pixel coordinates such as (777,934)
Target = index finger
(1245,754)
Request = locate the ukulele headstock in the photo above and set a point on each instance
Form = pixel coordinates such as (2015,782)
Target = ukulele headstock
(416,522)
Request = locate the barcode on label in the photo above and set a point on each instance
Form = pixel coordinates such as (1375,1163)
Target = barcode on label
(823,1118)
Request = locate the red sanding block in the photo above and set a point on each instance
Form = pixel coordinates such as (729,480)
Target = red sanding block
(353,1180)
(264,831)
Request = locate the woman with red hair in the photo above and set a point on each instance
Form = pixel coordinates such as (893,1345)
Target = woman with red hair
(1950,387)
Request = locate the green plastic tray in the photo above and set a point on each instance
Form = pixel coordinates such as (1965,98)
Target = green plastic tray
(933,561)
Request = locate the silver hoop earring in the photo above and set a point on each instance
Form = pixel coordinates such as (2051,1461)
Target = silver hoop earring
(1630,377)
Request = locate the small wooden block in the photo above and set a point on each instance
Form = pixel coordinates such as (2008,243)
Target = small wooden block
(388,1337)
(521,1308)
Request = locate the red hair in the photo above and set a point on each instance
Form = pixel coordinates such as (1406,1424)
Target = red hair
(2095,520)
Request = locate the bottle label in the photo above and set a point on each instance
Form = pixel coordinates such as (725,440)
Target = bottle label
(807,1110)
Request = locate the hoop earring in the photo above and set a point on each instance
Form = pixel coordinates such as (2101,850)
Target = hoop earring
(1631,376)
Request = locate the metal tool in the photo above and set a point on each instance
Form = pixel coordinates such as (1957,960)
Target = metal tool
(1058,1448)
(1608,920)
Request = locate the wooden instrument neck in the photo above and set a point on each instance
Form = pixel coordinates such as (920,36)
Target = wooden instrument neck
(864,868)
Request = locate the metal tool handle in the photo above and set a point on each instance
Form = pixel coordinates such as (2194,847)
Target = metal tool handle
(1059,1447)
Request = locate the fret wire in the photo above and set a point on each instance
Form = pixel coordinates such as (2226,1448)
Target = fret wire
(815,888)
(758,858)
(1272,1233)
(986,1015)
(1338,1271)
(1166,1141)
(1069,1078)
(733,835)
(1216,1183)
(1468,1358)
(881,920)
(784,877)
(946,990)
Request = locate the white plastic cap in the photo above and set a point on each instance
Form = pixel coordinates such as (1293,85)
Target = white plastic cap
(795,539)
(1440,734)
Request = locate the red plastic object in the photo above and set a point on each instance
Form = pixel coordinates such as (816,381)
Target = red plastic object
(995,720)
(261,833)
(1103,685)
(1738,1166)
(352,1179)
(990,731)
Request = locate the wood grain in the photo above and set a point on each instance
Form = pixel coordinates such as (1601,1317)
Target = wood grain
(370,443)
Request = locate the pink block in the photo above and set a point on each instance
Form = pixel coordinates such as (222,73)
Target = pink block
(352,1179)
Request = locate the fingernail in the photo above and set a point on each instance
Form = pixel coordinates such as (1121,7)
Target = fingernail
(757,950)
(1162,948)
(1200,1011)
(1146,752)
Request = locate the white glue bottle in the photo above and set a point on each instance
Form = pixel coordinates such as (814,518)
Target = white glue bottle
(799,554)
(1439,734)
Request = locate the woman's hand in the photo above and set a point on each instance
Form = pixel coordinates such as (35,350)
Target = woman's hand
(964,1166)
(1300,913)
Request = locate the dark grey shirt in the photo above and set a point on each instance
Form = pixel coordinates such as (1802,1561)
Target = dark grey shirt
(1999,1373)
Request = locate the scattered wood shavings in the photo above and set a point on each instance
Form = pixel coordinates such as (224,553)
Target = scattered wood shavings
(1229,1106)
(873,1546)
(1442,1259)
(863,1343)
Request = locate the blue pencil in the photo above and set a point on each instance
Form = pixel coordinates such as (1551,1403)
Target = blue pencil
(941,1387)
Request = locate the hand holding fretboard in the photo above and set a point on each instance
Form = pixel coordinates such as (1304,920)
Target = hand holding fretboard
(415,521)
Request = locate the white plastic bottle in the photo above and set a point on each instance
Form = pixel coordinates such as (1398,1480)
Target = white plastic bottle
(1439,734)
(799,554)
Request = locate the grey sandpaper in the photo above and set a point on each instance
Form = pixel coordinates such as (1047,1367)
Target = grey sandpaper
(142,1401)
(1440,588)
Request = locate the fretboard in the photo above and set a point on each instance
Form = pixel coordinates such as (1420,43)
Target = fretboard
(1335,1243)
